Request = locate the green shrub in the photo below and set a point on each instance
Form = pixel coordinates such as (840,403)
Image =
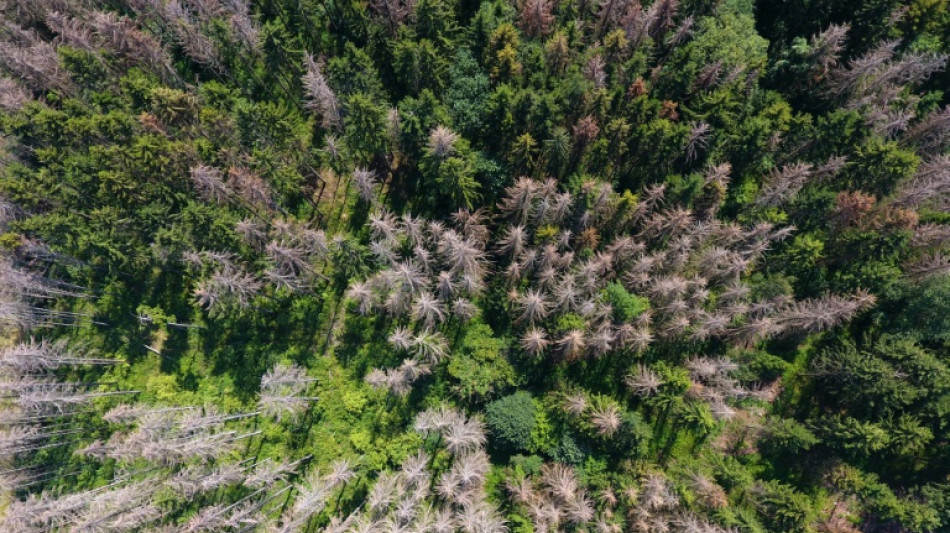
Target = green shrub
(626,306)
(512,421)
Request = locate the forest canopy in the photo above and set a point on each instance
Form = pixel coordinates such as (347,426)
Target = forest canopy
(447,266)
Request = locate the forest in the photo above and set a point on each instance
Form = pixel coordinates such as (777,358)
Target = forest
(475,266)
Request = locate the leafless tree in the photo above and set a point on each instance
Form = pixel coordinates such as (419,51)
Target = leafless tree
(826,47)
(227,286)
(518,199)
(606,420)
(635,23)
(12,96)
(186,28)
(21,283)
(783,184)
(643,381)
(824,313)
(252,232)
(534,342)
(464,309)
(933,265)
(176,437)
(595,73)
(514,241)
(930,135)
(35,62)
(282,391)
(393,12)
(44,396)
(242,25)
(398,380)
(313,494)
(39,357)
(682,32)
(464,435)
(572,344)
(931,235)
(536,18)
(428,310)
(930,185)
(697,141)
(251,188)
(430,346)
(661,16)
(401,338)
(708,492)
(533,307)
(366,184)
(442,142)
(319,96)
(876,77)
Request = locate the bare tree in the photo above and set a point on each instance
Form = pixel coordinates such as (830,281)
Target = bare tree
(36,63)
(572,344)
(931,235)
(428,310)
(536,18)
(401,338)
(319,96)
(606,420)
(514,241)
(125,39)
(643,381)
(399,380)
(708,492)
(282,391)
(930,185)
(464,435)
(430,346)
(518,199)
(932,134)
(198,46)
(534,342)
(442,142)
(44,396)
(595,73)
(824,313)
(783,184)
(366,184)
(37,357)
(533,307)
(227,286)
(252,232)
(12,96)
(313,495)
(251,188)
(393,12)
(697,141)
(826,47)
(928,266)
(464,309)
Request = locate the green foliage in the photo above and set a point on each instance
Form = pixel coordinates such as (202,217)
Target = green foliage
(926,311)
(513,421)
(728,38)
(365,126)
(782,507)
(480,368)
(626,307)
(785,437)
(467,94)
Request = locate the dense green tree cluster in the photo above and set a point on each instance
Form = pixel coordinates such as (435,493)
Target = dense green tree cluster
(454,266)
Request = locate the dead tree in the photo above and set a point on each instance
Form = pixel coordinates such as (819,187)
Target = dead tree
(282,391)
